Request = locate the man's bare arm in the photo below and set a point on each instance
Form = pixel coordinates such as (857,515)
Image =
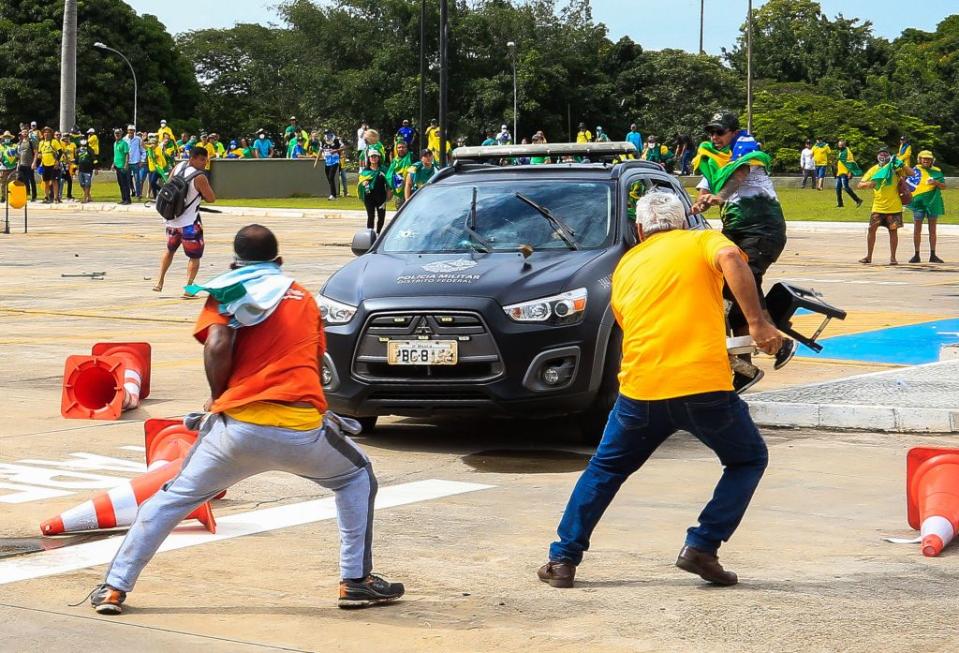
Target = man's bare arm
(218,358)
(202,183)
(743,285)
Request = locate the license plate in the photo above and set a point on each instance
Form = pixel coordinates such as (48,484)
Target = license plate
(421,352)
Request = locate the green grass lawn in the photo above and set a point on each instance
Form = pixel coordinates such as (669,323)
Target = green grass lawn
(798,204)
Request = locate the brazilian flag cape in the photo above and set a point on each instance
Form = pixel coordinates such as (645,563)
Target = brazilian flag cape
(887,173)
(926,197)
(851,165)
(716,165)
(396,173)
(369,175)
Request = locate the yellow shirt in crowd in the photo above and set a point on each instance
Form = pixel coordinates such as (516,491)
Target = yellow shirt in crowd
(886,199)
(94,144)
(584,136)
(668,299)
(820,155)
(48,152)
(165,130)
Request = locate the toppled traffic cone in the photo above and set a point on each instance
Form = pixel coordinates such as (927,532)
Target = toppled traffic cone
(165,440)
(932,487)
(114,378)
(118,507)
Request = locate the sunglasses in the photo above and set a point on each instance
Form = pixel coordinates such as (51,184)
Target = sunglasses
(715,131)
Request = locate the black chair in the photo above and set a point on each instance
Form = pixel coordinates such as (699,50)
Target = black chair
(782,302)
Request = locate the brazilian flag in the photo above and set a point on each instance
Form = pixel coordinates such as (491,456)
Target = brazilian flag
(396,173)
(887,173)
(367,179)
(926,197)
(717,165)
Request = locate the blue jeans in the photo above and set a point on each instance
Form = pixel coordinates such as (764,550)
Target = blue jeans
(842,183)
(635,429)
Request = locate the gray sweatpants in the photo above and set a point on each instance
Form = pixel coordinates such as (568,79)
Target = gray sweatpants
(229,451)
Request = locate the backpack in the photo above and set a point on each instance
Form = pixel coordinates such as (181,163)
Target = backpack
(171,200)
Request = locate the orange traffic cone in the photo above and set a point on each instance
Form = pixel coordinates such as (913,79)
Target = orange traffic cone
(118,506)
(114,378)
(932,487)
(165,440)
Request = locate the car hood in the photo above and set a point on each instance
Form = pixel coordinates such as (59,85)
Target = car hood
(503,276)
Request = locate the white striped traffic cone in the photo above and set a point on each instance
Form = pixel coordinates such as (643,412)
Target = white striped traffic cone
(114,378)
(118,507)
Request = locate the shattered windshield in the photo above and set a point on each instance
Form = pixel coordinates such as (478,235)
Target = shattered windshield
(438,219)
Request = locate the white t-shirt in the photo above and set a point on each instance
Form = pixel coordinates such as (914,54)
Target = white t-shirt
(360,141)
(756,183)
(192,201)
(806,161)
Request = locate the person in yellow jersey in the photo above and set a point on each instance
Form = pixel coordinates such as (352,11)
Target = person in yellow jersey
(584,135)
(905,150)
(820,158)
(67,165)
(846,169)
(667,298)
(165,129)
(209,147)
(94,144)
(49,153)
(927,183)
(433,138)
(884,178)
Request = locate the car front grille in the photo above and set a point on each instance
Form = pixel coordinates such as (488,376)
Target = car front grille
(478,358)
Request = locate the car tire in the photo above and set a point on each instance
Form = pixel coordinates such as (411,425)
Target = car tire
(592,421)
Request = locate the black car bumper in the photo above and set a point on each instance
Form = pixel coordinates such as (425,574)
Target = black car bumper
(500,369)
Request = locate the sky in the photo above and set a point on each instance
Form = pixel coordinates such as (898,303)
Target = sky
(655,24)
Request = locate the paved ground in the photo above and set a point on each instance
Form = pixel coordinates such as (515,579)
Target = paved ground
(816,576)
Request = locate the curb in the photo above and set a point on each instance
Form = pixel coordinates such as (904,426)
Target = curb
(852,417)
(238,211)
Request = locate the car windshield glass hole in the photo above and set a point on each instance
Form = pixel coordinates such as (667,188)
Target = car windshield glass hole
(437,220)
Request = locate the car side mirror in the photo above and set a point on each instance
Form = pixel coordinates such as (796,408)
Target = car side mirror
(363,241)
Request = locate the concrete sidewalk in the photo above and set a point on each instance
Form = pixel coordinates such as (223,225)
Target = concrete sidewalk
(920,399)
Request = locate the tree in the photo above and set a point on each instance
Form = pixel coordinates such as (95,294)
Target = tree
(787,114)
(793,41)
(30,35)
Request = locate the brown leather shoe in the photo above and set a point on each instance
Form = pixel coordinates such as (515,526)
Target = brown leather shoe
(557,574)
(705,565)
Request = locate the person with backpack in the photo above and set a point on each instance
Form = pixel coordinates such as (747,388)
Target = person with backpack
(86,160)
(179,204)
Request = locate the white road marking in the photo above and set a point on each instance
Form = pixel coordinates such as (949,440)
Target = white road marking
(81,556)
(133,447)
(860,282)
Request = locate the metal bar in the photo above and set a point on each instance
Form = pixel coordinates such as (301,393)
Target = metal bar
(749,68)
(421,126)
(444,78)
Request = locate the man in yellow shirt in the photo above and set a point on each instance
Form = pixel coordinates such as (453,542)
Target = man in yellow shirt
(884,178)
(905,150)
(49,153)
(668,299)
(584,135)
(164,129)
(820,158)
(94,144)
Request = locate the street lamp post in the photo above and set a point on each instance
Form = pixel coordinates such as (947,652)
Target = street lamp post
(512,48)
(104,46)
(444,78)
(749,68)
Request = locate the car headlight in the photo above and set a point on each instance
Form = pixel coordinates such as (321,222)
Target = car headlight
(334,312)
(567,308)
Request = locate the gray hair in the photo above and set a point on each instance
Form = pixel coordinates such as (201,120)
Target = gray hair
(660,212)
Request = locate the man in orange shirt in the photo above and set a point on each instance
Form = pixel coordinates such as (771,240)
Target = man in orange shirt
(668,299)
(263,343)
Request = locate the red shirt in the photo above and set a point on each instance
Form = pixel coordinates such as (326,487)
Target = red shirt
(276,360)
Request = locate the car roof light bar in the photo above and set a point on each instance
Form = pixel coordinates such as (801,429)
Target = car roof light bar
(599,150)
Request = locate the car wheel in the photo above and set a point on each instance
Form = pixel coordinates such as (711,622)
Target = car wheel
(592,422)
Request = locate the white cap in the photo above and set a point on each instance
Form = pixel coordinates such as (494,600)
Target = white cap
(33,123)
(163,122)
(133,127)
(504,127)
(91,131)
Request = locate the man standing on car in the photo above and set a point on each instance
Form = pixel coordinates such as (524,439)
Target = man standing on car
(266,412)
(667,297)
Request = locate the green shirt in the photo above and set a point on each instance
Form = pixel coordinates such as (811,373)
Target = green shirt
(420,174)
(121,154)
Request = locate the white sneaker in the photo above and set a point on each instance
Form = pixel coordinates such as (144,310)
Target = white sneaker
(332,197)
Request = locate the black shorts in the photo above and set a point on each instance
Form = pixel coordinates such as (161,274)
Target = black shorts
(762,251)
(51,173)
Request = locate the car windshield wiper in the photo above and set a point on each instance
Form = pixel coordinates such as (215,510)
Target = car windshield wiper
(476,240)
(561,228)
